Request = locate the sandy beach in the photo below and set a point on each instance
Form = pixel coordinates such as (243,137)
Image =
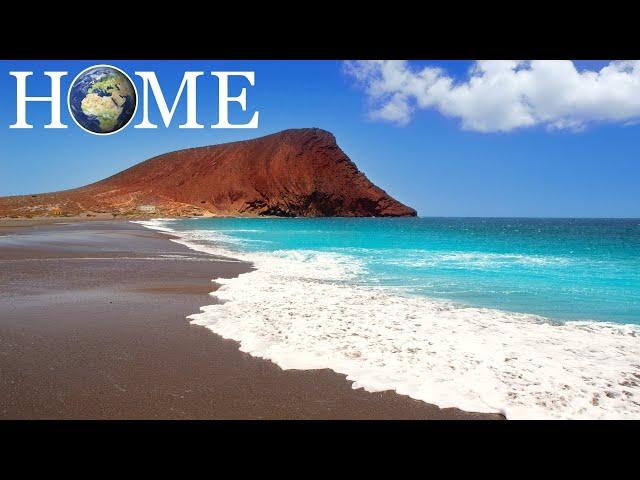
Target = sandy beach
(92,326)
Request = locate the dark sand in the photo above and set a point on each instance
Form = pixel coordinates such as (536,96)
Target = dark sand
(92,326)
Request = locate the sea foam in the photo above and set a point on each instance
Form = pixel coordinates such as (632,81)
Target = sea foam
(302,310)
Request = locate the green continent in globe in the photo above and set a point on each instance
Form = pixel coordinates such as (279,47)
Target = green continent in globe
(106,98)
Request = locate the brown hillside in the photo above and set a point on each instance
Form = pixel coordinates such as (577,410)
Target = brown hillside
(298,172)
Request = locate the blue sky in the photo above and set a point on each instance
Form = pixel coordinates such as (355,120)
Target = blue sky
(431,162)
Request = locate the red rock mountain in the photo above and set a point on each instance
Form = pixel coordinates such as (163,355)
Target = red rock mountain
(298,172)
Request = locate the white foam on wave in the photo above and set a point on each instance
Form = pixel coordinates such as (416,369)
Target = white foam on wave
(469,260)
(156,224)
(299,310)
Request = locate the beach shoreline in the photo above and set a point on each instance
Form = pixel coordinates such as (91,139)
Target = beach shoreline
(93,326)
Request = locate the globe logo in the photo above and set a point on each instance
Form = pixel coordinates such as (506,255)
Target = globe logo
(102,99)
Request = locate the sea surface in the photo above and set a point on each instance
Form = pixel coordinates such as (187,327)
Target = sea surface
(533,318)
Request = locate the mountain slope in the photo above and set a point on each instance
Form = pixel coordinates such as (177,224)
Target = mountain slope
(299,172)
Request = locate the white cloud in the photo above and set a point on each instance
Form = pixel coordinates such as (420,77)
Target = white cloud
(502,95)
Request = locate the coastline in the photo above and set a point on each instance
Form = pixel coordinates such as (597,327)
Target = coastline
(93,326)
(480,359)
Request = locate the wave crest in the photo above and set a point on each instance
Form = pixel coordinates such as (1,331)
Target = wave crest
(299,310)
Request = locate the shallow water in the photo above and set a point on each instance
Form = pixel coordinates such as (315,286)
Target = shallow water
(535,318)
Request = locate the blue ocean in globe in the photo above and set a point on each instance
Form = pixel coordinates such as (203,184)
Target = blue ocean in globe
(102,100)
(563,269)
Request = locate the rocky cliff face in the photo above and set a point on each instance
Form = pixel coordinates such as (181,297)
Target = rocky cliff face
(298,172)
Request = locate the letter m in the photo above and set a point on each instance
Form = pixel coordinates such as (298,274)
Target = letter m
(149,79)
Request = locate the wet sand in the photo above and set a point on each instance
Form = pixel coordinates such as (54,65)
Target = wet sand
(92,326)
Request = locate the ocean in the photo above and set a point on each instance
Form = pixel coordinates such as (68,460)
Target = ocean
(532,318)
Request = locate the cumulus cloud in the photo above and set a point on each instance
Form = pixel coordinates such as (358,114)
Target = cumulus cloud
(503,95)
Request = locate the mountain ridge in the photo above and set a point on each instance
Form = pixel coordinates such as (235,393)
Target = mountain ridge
(295,172)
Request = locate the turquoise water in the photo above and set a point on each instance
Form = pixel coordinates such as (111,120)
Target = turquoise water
(563,269)
(533,318)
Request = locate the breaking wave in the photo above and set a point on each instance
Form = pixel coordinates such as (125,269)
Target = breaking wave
(304,309)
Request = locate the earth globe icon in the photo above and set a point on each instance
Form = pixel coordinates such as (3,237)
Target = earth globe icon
(102,99)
